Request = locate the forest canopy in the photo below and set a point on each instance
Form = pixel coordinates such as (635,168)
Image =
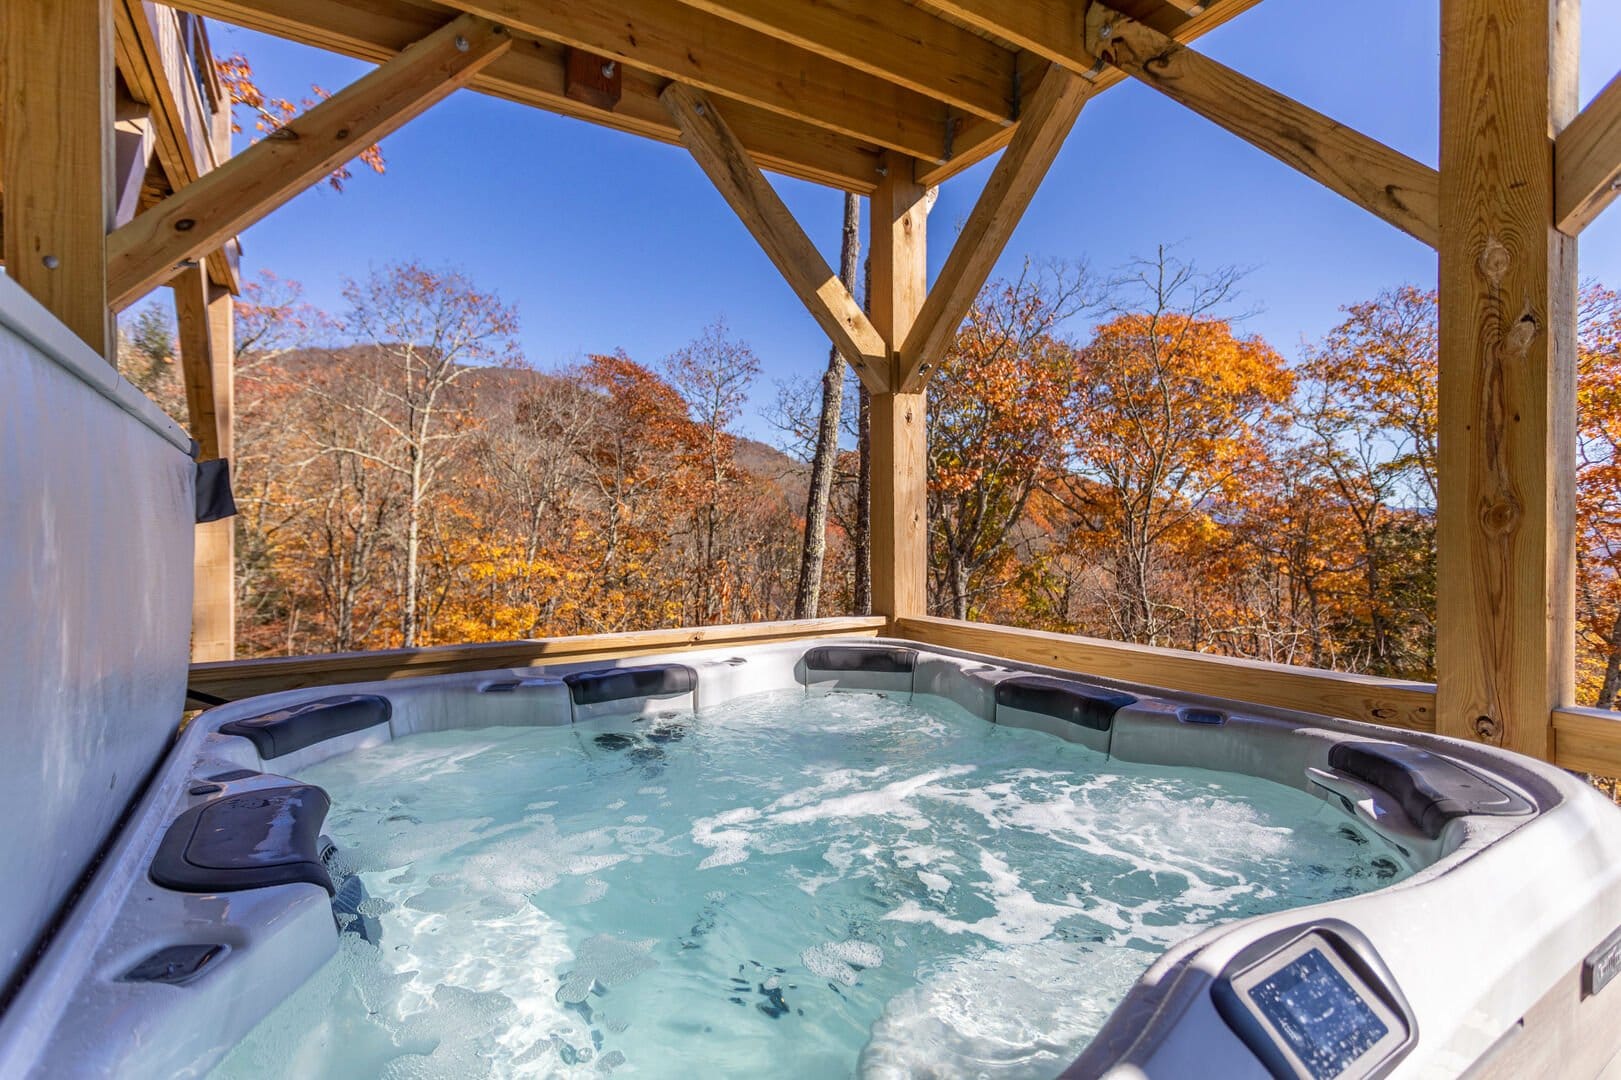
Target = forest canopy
(406,476)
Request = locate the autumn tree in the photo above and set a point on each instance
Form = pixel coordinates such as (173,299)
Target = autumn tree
(996,423)
(1172,414)
(425,331)
(273,322)
(712,374)
(824,457)
(1368,411)
(1598,495)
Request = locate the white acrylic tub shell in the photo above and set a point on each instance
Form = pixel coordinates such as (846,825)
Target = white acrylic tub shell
(1498,911)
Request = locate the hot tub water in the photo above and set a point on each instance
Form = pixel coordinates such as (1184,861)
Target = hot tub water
(842,883)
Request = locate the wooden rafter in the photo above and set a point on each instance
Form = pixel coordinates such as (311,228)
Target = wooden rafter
(976,140)
(202,215)
(1387,184)
(677,42)
(1587,161)
(892,40)
(533,73)
(723,158)
(1052,29)
(1012,184)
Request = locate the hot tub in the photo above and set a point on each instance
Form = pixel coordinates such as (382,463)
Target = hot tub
(835,857)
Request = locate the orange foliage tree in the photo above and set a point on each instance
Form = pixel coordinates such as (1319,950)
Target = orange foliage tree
(997,422)
(1173,414)
(1598,496)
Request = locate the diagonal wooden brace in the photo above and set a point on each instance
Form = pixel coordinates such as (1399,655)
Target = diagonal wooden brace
(721,156)
(203,215)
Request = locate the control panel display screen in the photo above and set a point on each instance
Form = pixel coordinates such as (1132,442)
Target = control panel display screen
(1318,1013)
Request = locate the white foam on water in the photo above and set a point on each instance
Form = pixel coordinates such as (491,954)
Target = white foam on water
(423,1005)
(841,960)
(891,800)
(731,843)
(605,961)
(1017,916)
(1022,1012)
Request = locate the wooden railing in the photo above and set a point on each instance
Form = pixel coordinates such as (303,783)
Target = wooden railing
(231,679)
(1409,705)
(1585,740)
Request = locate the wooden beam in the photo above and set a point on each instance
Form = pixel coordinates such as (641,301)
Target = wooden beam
(197,362)
(56,158)
(723,158)
(185,155)
(898,433)
(152,62)
(204,317)
(533,72)
(1587,161)
(1388,184)
(1587,740)
(976,140)
(669,39)
(1505,522)
(1391,702)
(1052,29)
(890,39)
(246,678)
(205,214)
(1002,203)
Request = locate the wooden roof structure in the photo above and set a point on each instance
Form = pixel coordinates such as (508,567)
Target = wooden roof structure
(887,98)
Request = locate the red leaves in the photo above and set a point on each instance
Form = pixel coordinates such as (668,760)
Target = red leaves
(269,114)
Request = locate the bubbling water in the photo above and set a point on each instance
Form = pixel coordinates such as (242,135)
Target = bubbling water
(843,884)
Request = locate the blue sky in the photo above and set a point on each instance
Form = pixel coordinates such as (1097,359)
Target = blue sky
(604,240)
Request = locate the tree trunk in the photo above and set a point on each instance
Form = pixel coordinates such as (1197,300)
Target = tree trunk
(413,543)
(958,573)
(1612,668)
(813,552)
(862,541)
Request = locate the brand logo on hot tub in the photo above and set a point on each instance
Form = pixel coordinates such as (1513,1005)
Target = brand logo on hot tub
(1602,965)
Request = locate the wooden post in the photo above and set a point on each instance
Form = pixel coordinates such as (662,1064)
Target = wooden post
(205,317)
(1506,525)
(56,124)
(900,460)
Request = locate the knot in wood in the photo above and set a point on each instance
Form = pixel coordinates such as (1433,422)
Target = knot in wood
(1487,728)
(1494,261)
(1501,516)
(1517,342)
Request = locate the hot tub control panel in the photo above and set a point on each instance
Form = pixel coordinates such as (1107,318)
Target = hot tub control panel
(1316,1004)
